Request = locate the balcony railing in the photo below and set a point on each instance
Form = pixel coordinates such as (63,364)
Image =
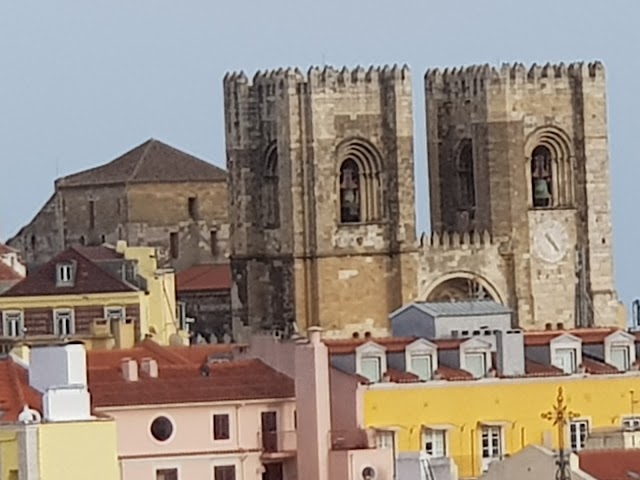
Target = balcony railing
(279,442)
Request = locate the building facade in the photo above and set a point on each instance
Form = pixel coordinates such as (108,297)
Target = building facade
(153,195)
(322,195)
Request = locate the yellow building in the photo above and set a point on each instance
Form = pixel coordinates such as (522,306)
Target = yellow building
(462,403)
(106,297)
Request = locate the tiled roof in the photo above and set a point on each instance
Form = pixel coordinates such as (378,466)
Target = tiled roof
(99,253)
(347,346)
(8,274)
(587,335)
(535,369)
(594,366)
(151,162)
(15,391)
(229,381)
(398,376)
(89,278)
(452,374)
(4,249)
(204,278)
(611,464)
(461,309)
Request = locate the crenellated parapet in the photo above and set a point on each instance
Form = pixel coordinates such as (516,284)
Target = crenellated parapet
(330,78)
(455,240)
(476,79)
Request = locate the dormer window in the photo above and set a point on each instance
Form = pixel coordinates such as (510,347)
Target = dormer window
(566,353)
(621,358)
(64,274)
(476,364)
(619,350)
(421,359)
(475,357)
(565,359)
(371,361)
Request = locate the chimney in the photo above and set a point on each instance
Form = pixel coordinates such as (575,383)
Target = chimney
(129,368)
(510,352)
(149,367)
(58,366)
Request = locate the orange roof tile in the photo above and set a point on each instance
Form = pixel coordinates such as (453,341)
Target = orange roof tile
(8,274)
(15,391)
(398,376)
(611,464)
(595,367)
(4,249)
(587,335)
(178,384)
(452,374)
(204,278)
(535,369)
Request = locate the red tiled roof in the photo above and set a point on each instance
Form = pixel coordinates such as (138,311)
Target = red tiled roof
(15,391)
(595,367)
(535,369)
(8,274)
(89,278)
(452,374)
(98,253)
(398,376)
(204,278)
(349,345)
(4,249)
(611,464)
(150,162)
(587,335)
(236,380)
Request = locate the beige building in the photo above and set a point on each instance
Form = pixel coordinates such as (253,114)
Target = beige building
(153,195)
(323,208)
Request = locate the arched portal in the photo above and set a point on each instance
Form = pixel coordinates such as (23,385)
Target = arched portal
(461,286)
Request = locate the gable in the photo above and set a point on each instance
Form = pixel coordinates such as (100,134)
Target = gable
(371,348)
(475,344)
(566,339)
(620,337)
(89,278)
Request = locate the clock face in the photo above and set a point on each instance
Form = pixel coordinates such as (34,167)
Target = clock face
(551,241)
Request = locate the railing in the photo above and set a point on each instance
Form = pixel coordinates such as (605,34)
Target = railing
(354,439)
(278,441)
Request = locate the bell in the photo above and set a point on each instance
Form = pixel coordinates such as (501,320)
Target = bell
(541,191)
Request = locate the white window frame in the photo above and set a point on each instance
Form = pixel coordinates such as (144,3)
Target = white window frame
(631,423)
(576,433)
(481,355)
(371,358)
(430,435)
(232,426)
(371,350)
(564,342)
(559,359)
(421,348)
(115,308)
(626,352)
(488,432)
(620,339)
(64,273)
(6,319)
(56,323)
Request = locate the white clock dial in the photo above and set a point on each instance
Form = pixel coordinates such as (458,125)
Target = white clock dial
(551,241)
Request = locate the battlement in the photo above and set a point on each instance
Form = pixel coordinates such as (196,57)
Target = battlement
(474,80)
(319,78)
(455,240)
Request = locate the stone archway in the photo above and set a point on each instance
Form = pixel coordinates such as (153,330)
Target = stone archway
(462,286)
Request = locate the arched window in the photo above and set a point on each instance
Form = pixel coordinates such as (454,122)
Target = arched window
(271,193)
(466,180)
(350,209)
(359,182)
(541,177)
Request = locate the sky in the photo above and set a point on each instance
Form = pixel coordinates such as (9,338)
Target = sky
(82,82)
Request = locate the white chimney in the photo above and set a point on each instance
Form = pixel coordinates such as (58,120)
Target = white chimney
(129,368)
(149,367)
(66,404)
(58,366)
(510,352)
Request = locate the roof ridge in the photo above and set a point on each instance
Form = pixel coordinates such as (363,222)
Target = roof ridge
(141,159)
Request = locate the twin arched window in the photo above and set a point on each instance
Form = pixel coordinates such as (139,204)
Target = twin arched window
(360,184)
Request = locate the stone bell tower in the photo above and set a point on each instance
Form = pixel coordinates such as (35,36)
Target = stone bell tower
(322,197)
(523,154)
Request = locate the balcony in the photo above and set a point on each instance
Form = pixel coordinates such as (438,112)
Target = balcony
(277,445)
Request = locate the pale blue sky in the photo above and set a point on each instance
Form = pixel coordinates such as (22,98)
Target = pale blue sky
(83,81)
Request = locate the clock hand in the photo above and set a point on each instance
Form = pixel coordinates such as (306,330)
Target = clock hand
(553,244)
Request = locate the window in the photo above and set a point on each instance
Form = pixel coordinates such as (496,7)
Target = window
(224,472)
(386,439)
(435,443)
(631,423)
(466,181)
(161,429)
(213,242)
(491,445)
(114,313)
(578,431)
(421,366)
(221,427)
(63,322)
(620,358)
(64,274)
(541,177)
(271,189)
(174,245)
(12,324)
(193,207)
(360,182)
(565,359)
(167,474)
(476,364)
(92,214)
(371,368)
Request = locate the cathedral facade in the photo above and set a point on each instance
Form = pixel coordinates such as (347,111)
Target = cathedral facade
(321,179)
